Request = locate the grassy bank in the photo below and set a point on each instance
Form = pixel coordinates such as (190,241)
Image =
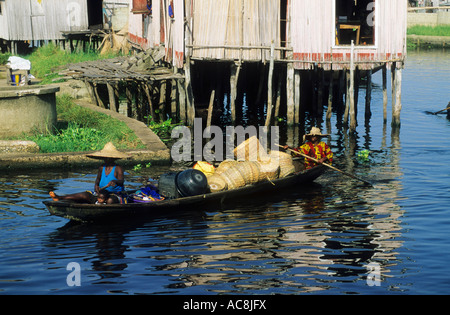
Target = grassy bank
(80,129)
(441,30)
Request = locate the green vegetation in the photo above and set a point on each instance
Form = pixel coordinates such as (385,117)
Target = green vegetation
(81,129)
(47,59)
(441,30)
(162,129)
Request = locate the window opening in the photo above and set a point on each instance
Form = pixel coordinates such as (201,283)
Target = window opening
(355,21)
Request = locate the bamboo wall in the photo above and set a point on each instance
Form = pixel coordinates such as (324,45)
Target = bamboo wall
(235,24)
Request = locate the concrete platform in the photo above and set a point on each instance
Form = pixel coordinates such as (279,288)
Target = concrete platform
(156,151)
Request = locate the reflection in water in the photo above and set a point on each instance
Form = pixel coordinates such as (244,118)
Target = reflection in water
(318,238)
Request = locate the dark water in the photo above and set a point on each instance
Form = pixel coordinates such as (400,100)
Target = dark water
(335,237)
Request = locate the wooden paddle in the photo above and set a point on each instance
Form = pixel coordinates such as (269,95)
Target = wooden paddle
(328,165)
(441,111)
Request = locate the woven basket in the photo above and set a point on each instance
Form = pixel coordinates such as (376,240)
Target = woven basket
(269,170)
(223,166)
(216,183)
(250,150)
(233,178)
(284,161)
(249,171)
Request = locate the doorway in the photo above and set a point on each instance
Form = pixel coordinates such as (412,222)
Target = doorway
(95,14)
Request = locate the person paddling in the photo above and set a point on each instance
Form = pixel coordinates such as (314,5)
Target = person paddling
(315,148)
(109,182)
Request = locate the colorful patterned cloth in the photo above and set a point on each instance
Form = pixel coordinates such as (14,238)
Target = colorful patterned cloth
(315,151)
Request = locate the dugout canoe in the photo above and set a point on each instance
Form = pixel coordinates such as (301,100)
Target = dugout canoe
(94,213)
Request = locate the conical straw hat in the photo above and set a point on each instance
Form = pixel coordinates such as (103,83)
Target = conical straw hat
(109,151)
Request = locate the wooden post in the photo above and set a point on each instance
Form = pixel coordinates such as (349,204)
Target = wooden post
(347,97)
(91,92)
(129,101)
(320,92)
(97,96)
(385,95)
(352,90)
(330,97)
(234,77)
(162,100)
(398,97)
(269,87)
(149,100)
(182,101)
(278,101)
(368,112)
(297,85)
(210,108)
(290,94)
(189,94)
(112,97)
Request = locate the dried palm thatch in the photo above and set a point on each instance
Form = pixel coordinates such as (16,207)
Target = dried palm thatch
(115,42)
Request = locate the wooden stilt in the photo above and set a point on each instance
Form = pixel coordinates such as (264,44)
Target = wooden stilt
(182,101)
(210,108)
(352,112)
(278,101)
(398,97)
(385,95)
(269,87)
(173,100)
(129,101)
(347,97)
(297,85)
(90,89)
(320,93)
(368,112)
(162,100)
(234,77)
(112,97)
(330,97)
(97,96)
(149,100)
(190,107)
(290,94)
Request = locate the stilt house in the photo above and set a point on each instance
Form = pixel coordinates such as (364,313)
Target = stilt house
(303,35)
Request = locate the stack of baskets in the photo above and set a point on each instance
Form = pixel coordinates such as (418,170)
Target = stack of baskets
(253,164)
(285,162)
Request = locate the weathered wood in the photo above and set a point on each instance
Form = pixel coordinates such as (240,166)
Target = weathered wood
(297,96)
(113,104)
(269,88)
(368,112)
(385,95)
(278,101)
(210,108)
(162,100)
(189,94)
(352,112)
(398,97)
(97,96)
(330,96)
(290,95)
(234,77)
(150,103)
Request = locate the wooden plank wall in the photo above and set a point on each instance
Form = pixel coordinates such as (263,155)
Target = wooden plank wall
(44,20)
(313,37)
(226,29)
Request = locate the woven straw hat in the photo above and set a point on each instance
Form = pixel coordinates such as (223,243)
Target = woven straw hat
(109,151)
(316,132)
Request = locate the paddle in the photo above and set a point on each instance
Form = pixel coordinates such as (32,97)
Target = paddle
(441,111)
(328,165)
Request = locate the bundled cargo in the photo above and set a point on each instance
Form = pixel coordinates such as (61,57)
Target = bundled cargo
(285,162)
(216,183)
(251,150)
(269,169)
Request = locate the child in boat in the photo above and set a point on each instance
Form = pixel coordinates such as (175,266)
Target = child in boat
(109,182)
(315,148)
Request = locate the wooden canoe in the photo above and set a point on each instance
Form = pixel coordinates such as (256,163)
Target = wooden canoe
(92,212)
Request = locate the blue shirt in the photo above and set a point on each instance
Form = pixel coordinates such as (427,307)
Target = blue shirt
(105,179)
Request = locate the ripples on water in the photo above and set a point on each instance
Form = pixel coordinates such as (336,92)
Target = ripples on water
(319,239)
